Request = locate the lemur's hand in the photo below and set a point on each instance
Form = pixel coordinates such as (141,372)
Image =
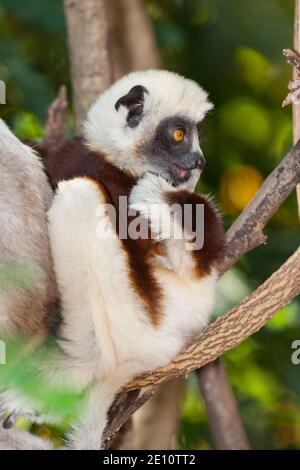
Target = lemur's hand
(149,198)
(149,189)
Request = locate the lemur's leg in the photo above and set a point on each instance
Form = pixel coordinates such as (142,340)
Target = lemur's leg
(185,221)
(82,260)
(91,267)
(88,431)
(15,404)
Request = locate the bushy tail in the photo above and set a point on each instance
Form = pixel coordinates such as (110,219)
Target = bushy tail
(25,196)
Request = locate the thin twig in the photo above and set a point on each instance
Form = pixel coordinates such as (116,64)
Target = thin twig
(293,58)
(55,124)
(246,232)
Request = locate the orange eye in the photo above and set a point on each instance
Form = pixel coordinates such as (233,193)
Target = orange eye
(178,135)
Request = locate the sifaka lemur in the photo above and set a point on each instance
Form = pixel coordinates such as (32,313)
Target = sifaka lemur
(128,304)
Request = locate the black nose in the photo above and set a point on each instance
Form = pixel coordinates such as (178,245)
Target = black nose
(194,160)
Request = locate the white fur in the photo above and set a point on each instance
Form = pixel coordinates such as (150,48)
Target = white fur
(148,198)
(93,277)
(169,95)
(109,336)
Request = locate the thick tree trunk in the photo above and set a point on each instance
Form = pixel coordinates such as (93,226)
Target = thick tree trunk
(133,45)
(88,39)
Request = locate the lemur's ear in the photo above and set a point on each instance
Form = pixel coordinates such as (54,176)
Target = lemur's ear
(134,102)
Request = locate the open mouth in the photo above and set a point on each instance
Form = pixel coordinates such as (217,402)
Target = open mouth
(180,175)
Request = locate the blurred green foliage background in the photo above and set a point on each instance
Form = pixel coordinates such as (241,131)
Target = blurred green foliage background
(233,49)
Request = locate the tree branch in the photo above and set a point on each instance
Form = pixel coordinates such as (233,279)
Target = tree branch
(296,74)
(244,235)
(223,417)
(293,58)
(221,336)
(231,329)
(124,407)
(55,124)
(156,424)
(129,21)
(246,232)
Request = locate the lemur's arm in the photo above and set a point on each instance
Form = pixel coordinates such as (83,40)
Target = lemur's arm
(185,221)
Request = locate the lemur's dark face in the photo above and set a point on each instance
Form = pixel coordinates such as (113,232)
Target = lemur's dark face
(174,151)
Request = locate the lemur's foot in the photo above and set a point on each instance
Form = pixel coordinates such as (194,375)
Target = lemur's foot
(9,420)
